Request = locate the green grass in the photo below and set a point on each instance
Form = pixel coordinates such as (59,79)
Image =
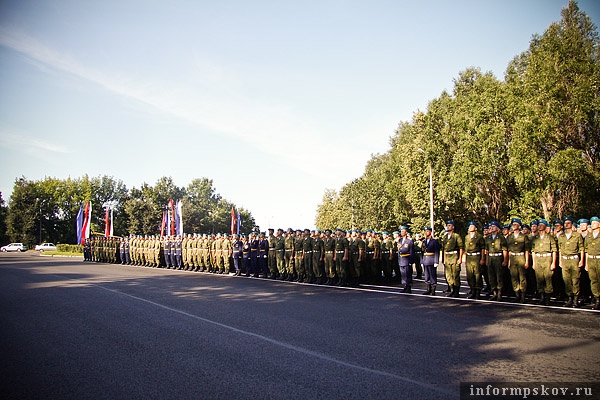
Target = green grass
(61,253)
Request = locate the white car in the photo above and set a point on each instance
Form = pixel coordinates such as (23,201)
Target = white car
(14,247)
(45,247)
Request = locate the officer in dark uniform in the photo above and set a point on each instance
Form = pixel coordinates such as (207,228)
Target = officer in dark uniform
(237,248)
(263,250)
(178,252)
(405,258)
(254,255)
(430,248)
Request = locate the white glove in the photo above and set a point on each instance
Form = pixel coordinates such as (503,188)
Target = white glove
(435,265)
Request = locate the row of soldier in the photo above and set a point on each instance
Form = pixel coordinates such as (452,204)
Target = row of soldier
(504,257)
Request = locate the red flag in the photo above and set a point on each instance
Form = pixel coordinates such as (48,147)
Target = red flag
(85,228)
(106,224)
(172,224)
(232,221)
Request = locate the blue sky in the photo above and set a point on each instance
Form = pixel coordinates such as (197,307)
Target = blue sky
(275,101)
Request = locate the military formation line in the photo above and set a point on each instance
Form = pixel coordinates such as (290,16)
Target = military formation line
(540,260)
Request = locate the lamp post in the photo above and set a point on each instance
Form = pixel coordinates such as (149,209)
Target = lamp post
(430,192)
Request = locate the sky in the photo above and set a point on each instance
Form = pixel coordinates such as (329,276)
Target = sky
(275,101)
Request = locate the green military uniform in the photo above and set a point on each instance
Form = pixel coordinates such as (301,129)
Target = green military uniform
(592,260)
(205,248)
(271,256)
(184,252)
(280,255)
(156,252)
(496,249)
(387,252)
(544,248)
(453,246)
(288,245)
(570,248)
(298,256)
(329,249)
(518,246)
(341,258)
(317,257)
(474,256)
(226,250)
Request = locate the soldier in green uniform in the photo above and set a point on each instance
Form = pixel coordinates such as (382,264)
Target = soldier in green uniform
(271,257)
(280,254)
(205,251)
(571,248)
(307,256)
(318,255)
(474,258)
(519,248)
(156,252)
(496,251)
(328,250)
(226,252)
(299,255)
(288,245)
(184,253)
(341,256)
(592,259)
(387,252)
(544,251)
(452,252)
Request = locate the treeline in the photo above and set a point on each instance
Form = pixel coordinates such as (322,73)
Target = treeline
(527,146)
(46,210)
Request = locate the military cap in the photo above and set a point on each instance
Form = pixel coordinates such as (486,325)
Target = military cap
(558,222)
(496,224)
(516,221)
(449,222)
(583,221)
(327,230)
(594,219)
(506,227)
(534,222)
(404,227)
(570,219)
(543,222)
(384,233)
(428,228)
(526,226)
(298,230)
(395,233)
(271,230)
(473,223)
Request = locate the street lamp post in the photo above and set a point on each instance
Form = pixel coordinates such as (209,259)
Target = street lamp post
(430,192)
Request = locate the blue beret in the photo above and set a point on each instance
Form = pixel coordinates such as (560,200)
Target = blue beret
(384,233)
(506,227)
(473,223)
(526,226)
(496,223)
(404,227)
(395,233)
(583,221)
(534,222)
(516,220)
(594,219)
(449,222)
(570,219)
(543,222)
(558,222)
(428,228)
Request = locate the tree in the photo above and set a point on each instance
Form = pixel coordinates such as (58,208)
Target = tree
(3,216)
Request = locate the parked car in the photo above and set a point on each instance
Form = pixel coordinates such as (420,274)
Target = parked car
(45,247)
(14,247)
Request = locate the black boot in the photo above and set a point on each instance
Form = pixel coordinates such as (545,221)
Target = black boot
(522,299)
(428,292)
(494,295)
(546,299)
(576,302)
(596,304)
(450,293)
(569,302)
(456,292)
(432,290)
(471,294)
(477,294)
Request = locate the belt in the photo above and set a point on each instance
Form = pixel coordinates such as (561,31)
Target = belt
(478,253)
(370,252)
(245,252)
(451,252)
(404,255)
(328,252)
(570,257)
(262,251)
(290,250)
(429,254)
(279,250)
(308,251)
(592,257)
(385,252)
(495,254)
(340,252)
(543,254)
(517,254)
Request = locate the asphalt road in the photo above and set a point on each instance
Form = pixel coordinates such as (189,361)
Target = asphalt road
(74,330)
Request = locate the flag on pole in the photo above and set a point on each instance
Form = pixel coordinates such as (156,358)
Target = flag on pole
(87,221)
(232,221)
(106,223)
(163,224)
(79,223)
(178,218)
(239,222)
(112,222)
(171,223)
